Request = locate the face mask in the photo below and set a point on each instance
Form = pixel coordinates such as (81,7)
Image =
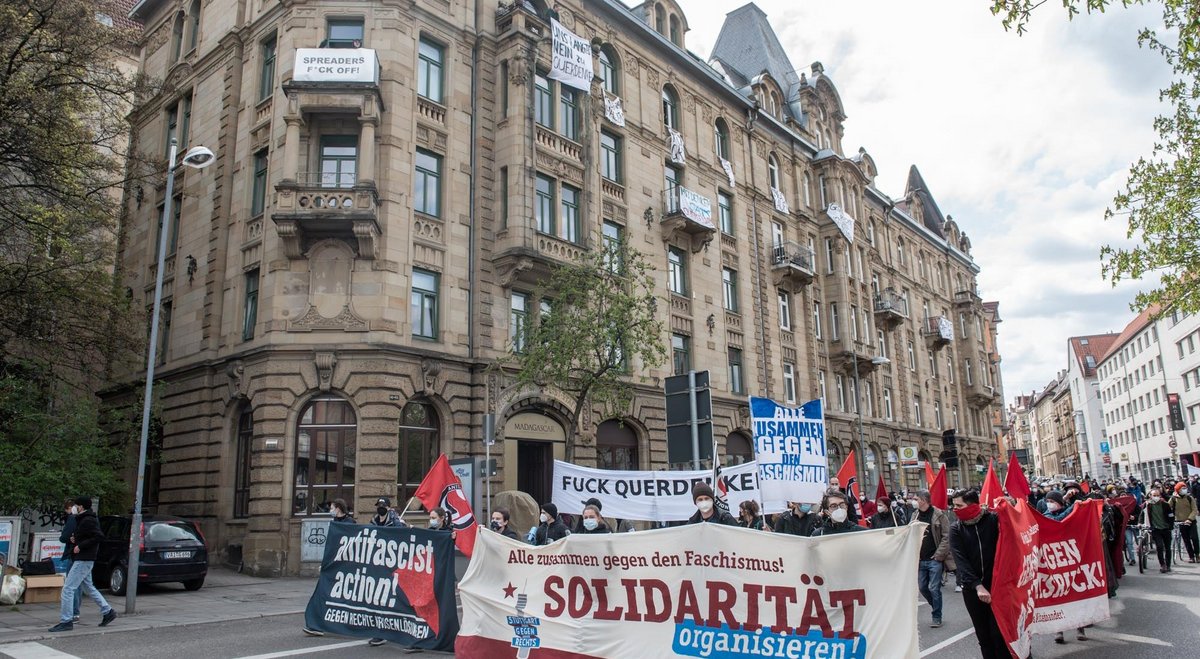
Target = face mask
(1156,499)
(838,515)
(382,510)
(705,505)
(74,510)
(1053,507)
(434,522)
(968,513)
(335,512)
(805,508)
(590,523)
(495,525)
(545,518)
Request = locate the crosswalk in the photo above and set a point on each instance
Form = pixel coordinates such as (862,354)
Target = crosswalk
(33,651)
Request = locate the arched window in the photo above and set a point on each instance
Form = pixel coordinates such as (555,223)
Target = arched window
(616,446)
(609,70)
(326,459)
(773,171)
(177,37)
(676,33)
(721,132)
(738,449)
(241,464)
(660,20)
(419,447)
(194,33)
(834,459)
(670,107)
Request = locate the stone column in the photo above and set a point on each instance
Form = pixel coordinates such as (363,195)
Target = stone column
(291,149)
(366,151)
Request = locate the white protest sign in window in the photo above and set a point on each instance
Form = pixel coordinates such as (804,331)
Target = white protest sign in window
(696,207)
(678,153)
(336,65)
(728,167)
(613,110)
(789,447)
(571,59)
(844,222)
(781,204)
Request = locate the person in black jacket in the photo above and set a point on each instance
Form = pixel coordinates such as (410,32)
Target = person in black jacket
(591,521)
(500,523)
(973,538)
(798,520)
(705,500)
(65,538)
(1161,518)
(86,540)
(836,510)
(551,527)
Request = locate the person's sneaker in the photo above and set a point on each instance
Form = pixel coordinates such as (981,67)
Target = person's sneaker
(313,632)
(75,618)
(63,627)
(937,622)
(1081,636)
(108,617)
(1058,638)
(376,642)
(958,589)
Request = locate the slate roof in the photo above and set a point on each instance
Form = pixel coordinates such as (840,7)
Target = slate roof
(932,216)
(1097,346)
(748,46)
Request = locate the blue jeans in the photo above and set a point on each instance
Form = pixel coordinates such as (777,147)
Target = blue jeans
(1130,544)
(78,594)
(929,581)
(80,576)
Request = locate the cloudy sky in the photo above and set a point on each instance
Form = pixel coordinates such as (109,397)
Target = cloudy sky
(1024,140)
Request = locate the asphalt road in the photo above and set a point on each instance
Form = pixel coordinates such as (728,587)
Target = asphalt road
(1154,616)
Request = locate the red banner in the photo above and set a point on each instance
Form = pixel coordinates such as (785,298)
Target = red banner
(1049,576)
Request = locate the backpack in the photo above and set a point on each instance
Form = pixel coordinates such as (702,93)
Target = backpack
(37,568)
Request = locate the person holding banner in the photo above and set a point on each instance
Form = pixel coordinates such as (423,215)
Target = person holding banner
(748,516)
(836,509)
(385,515)
(340,512)
(973,540)
(1057,509)
(704,498)
(500,523)
(798,520)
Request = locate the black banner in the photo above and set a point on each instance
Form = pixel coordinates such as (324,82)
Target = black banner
(386,582)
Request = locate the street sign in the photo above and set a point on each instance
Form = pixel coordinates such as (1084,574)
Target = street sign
(908,456)
(1173,443)
(689,437)
(1104,447)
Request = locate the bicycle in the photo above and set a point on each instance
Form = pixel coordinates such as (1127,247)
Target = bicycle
(1177,542)
(1143,542)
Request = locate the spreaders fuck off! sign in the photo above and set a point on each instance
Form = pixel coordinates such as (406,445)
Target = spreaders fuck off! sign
(702,590)
(387,582)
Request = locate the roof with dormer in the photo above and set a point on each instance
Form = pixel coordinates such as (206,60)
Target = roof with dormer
(1094,345)
(748,47)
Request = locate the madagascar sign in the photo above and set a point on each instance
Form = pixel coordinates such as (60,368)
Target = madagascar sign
(701,590)
(386,582)
(1049,576)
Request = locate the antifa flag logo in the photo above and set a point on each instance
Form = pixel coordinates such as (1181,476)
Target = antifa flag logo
(722,491)
(455,503)
(852,496)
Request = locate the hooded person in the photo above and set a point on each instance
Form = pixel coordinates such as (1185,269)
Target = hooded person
(385,515)
(550,528)
(706,511)
(1057,506)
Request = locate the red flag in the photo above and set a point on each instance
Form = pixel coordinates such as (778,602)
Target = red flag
(848,478)
(442,488)
(991,487)
(929,477)
(1083,485)
(937,494)
(880,490)
(1015,481)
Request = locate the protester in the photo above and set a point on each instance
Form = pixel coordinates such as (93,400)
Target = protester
(439,520)
(550,528)
(592,521)
(593,501)
(884,517)
(1115,536)
(703,497)
(385,515)
(798,520)
(340,512)
(935,548)
(85,543)
(1183,504)
(1129,506)
(500,523)
(748,516)
(1161,519)
(1058,506)
(65,538)
(973,539)
(836,511)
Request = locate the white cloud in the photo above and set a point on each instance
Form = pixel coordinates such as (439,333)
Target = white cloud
(1024,140)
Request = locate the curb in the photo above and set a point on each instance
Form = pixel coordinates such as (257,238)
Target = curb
(42,636)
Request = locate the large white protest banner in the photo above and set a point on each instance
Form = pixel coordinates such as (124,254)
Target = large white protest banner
(789,447)
(656,496)
(571,62)
(701,590)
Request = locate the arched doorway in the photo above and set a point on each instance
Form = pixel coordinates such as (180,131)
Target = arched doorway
(326,457)
(738,449)
(417,448)
(532,442)
(616,446)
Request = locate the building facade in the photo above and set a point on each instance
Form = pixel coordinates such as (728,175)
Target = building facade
(1083,356)
(394,181)
(1043,432)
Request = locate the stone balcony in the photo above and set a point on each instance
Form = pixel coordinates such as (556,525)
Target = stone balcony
(967,298)
(687,216)
(316,206)
(846,354)
(980,395)
(791,265)
(890,309)
(531,265)
(937,331)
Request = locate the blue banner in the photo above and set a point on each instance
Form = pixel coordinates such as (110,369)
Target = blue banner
(395,583)
(789,446)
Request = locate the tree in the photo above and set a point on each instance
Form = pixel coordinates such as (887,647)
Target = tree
(603,317)
(1161,199)
(63,99)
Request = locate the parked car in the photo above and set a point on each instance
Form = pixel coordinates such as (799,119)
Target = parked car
(172,550)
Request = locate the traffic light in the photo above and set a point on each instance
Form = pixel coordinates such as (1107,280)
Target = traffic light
(950,449)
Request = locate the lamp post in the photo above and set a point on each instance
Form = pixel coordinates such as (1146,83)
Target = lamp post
(197,157)
(862,449)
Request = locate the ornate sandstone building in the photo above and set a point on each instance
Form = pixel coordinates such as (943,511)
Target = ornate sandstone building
(393,179)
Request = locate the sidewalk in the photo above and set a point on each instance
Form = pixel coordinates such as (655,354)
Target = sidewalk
(226,595)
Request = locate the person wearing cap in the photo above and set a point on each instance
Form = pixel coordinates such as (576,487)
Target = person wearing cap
(385,515)
(550,528)
(706,511)
(1184,506)
(884,516)
(85,543)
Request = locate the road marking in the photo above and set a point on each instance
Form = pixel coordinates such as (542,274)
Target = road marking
(948,642)
(33,651)
(1130,638)
(309,650)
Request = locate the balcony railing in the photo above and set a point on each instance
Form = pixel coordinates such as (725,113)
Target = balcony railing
(938,331)
(967,298)
(889,301)
(791,254)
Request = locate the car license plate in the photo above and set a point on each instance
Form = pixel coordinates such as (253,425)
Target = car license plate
(176,554)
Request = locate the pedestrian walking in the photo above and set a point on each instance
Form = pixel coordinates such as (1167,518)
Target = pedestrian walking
(85,541)
(65,538)
(1183,504)
(935,548)
(1161,518)
(703,497)
(973,539)
(836,510)
(798,520)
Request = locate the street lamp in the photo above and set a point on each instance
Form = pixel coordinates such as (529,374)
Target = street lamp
(197,157)
(862,449)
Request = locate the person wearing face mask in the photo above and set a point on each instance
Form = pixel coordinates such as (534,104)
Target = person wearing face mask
(65,538)
(1058,506)
(385,515)
(836,509)
(439,520)
(592,522)
(1161,518)
(86,543)
(340,512)
(500,523)
(748,516)
(935,549)
(973,539)
(798,520)
(550,527)
(705,500)
(1183,504)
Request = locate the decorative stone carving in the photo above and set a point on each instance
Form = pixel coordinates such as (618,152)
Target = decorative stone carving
(518,71)
(237,385)
(289,233)
(706,113)
(652,77)
(312,319)
(566,17)
(429,373)
(509,273)
(325,362)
